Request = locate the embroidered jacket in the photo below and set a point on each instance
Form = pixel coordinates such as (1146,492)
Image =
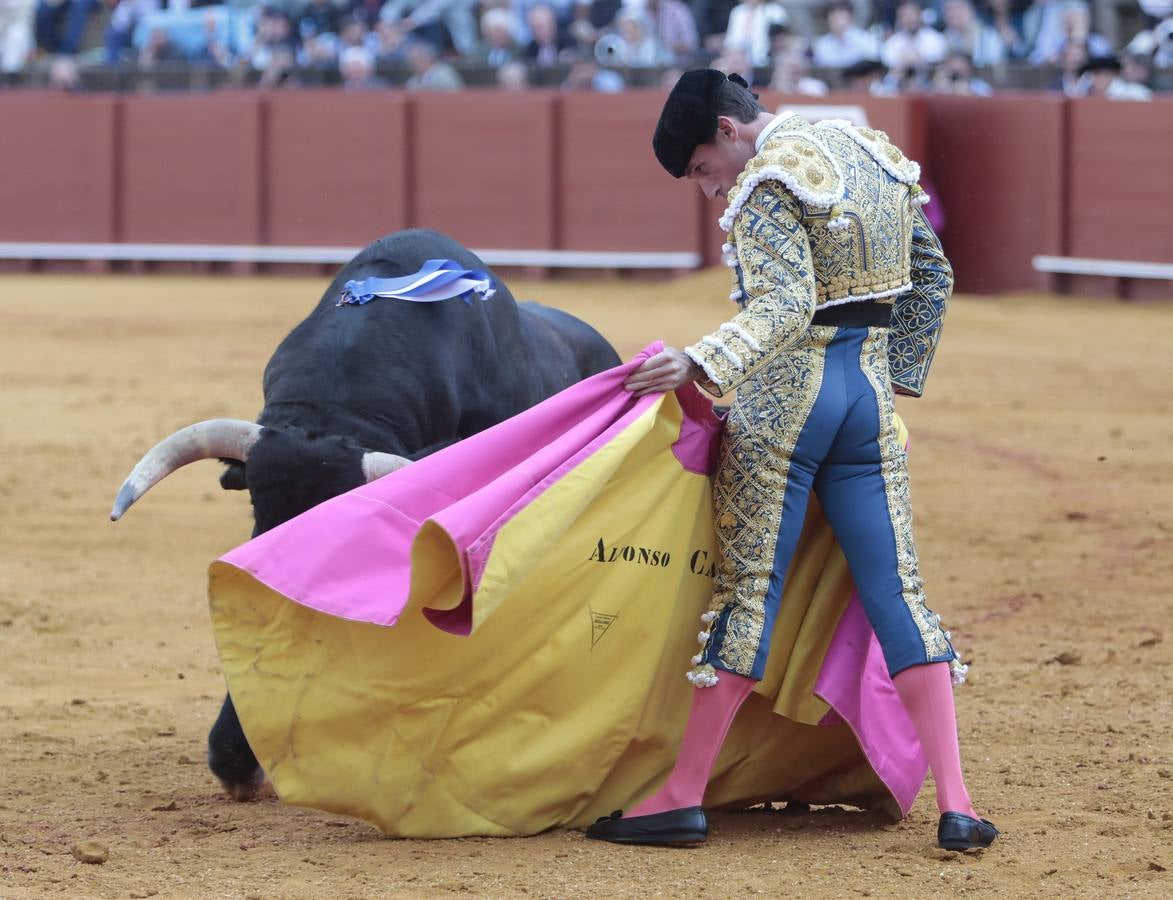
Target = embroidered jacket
(823,215)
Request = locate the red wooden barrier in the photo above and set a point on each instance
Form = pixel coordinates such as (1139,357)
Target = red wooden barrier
(612,194)
(190,169)
(335,166)
(57,167)
(484,168)
(997,163)
(1121,185)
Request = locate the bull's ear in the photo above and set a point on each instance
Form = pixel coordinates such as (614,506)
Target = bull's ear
(233,478)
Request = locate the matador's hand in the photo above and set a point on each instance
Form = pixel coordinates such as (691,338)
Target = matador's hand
(666,371)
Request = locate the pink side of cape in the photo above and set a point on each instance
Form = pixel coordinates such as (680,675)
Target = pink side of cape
(351,556)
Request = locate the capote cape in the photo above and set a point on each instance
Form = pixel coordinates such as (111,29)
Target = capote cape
(493,640)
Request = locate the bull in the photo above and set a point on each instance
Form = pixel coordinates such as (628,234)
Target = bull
(357,391)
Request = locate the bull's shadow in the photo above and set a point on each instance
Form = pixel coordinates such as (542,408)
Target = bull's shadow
(358,390)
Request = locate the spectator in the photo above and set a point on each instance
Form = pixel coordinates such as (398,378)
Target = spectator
(749,29)
(734,62)
(389,43)
(357,67)
(1058,26)
(318,17)
(968,35)
(549,44)
(672,25)
(274,46)
(1070,62)
(497,29)
(913,48)
(429,72)
(279,69)
(564,13)
(159,48)
(16,36)
(439,22)
(587,75)
(792,76)
(1155,43)
(59,25)
(869,76)
(512,75)
(1137,69)
(956,76)
(214,51)
(124,18)
(844,44)
(1100,77)
(1005,17)
(631,45)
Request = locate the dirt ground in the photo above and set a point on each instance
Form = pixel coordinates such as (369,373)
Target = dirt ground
(1044,501)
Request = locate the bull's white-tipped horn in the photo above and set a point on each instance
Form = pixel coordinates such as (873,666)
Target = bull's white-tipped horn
(210,439)
(376,465)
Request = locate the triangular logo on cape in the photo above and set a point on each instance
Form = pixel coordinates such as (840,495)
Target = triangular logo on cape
(600,622)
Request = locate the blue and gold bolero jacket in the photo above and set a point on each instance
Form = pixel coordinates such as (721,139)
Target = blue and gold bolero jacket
(823,215)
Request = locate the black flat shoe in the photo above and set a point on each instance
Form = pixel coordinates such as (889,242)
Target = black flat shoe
(960,832)
(674,827)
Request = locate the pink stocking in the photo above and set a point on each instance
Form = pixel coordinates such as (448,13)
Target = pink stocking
(927,694)
(713,709)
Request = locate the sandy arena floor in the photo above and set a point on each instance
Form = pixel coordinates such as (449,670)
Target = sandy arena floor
(1041,472)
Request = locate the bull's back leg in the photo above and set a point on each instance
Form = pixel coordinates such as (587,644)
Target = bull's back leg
(230,758)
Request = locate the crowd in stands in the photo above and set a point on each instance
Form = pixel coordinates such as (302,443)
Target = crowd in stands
(883,47)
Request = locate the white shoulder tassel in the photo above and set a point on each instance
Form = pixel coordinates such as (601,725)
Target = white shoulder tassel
(839,223)
(702,637)
(736,295)
(921,199)
(708,617)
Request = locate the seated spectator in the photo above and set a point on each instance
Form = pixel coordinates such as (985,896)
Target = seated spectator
(512,75)
(844,44)
(1070,62)
(279,68)
(869,76)
(357,67)
(439,22)
(549,45)
(353,32)
(587,75)
(1070,23)
(792,76)
(672,25)
(389,43)
(317,51)
(159,49)
(319,17)
(749,29)
(734,62)
(968,35)
(1100,77)
(564,13)
(783,40)
(16,36)
(1137,69)
(956,76)
(497,29)
(59,25)
(913,48)
(429,72)
(631,45)
(1005,17)
(124,18)
(214,51)
(274,37)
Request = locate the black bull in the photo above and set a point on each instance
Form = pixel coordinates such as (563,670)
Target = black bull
(356,391)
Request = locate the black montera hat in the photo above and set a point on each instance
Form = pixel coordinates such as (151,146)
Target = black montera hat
(689,118)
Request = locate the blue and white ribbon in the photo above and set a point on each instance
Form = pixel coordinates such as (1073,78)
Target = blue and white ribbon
(439,279)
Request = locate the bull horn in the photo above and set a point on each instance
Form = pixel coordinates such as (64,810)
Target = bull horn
(210,439)
(376,465)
